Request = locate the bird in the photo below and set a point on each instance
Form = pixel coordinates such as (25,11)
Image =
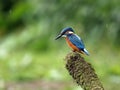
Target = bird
(73,40)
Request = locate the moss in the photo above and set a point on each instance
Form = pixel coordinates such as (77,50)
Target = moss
(82,72)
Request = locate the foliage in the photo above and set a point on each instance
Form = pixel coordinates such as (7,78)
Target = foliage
(29,52)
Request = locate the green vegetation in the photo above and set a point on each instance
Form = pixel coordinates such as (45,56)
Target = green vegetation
(29,53)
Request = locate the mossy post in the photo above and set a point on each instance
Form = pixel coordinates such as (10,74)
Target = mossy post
(82,72)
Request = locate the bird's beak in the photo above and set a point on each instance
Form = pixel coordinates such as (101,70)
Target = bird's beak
(58,36)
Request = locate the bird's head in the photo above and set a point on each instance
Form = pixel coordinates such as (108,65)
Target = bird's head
(66,31)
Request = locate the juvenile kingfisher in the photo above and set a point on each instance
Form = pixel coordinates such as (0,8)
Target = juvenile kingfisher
(73,40)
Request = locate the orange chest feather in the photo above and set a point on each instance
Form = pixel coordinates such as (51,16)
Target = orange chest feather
(71,45)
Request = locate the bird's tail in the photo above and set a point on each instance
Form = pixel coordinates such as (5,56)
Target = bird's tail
(86,52)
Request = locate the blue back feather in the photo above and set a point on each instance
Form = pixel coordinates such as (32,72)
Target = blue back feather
(76,40)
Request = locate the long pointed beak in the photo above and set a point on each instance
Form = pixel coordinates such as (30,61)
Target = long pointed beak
(58,36)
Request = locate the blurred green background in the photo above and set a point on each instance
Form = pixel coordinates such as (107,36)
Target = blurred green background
(30,58)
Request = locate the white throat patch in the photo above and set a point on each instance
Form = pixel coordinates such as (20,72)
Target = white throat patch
(64,36)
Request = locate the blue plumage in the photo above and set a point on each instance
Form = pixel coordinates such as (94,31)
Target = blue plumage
(66,29)
(76,40)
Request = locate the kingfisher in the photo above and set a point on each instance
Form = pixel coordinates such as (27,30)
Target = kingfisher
(73,40)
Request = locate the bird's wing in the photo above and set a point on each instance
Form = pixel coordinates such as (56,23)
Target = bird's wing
(77,41)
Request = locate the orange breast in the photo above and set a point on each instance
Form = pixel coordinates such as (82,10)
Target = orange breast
(72,45)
